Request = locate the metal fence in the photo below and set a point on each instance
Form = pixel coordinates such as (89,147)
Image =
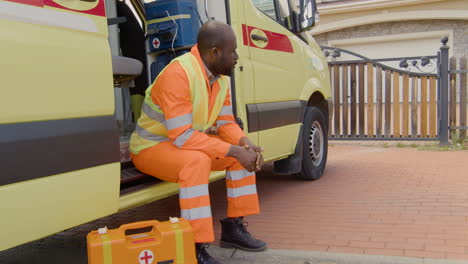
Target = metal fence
(375,101)
(458,96)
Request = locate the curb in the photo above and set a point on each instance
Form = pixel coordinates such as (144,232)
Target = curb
(277,256)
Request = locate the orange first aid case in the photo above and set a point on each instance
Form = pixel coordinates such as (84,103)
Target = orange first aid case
(167,242)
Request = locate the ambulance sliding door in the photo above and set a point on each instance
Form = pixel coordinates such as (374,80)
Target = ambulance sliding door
(243,89)
(59,147)
(276,57)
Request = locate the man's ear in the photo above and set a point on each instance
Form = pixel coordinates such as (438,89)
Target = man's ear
(215,52)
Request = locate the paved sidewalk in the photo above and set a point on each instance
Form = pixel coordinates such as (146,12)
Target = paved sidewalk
(279,256)
(373,201)
(382,205)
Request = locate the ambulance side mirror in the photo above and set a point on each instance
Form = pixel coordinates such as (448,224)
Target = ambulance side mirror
(307,14)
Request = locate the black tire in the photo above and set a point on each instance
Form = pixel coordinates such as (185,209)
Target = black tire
(315,144)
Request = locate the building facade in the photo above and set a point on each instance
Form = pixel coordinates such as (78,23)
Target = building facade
(393,28)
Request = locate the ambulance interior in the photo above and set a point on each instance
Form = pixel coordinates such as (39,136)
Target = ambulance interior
(141,49)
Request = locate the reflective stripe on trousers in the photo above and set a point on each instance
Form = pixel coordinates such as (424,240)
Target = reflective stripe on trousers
(241,191)
(194,191)
(238,174)
(196,213)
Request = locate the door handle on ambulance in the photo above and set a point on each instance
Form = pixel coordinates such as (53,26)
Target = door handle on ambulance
(259,38)
(116,20)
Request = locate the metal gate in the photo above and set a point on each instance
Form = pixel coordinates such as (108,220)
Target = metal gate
(377,101)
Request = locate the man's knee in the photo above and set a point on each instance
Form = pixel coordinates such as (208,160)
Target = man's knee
(197,159)
(196,169)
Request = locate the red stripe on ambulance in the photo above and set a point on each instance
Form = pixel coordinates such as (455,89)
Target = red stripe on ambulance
(39,3)
(245,35)
(99,10)
(276,41)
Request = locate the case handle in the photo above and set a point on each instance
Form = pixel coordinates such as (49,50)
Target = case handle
(137,225)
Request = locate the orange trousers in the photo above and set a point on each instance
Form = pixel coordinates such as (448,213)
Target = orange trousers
(191,170)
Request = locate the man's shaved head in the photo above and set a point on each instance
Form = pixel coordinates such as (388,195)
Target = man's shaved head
(217,45)
(214,34)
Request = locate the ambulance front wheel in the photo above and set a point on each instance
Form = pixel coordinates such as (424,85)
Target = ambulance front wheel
(315,144)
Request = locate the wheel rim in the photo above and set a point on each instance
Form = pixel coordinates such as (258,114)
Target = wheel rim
(316,143)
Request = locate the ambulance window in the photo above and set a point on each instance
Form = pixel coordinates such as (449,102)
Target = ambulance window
(276,9)
(268,7)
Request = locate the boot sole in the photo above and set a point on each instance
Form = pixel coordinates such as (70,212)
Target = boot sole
(225,244)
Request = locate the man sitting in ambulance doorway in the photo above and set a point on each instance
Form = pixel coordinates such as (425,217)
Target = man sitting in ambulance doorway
(187,129)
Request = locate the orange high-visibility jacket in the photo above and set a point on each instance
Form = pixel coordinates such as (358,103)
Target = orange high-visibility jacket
(171,93)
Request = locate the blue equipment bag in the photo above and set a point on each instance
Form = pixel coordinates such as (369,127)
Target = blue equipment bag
(172,24)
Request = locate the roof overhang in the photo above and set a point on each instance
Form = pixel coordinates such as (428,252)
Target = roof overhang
(361,5)
(345,14)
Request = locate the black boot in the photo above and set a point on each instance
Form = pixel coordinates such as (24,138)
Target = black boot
(235,235)
(202,256)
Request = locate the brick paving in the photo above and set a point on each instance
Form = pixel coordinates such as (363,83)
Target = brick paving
(371,200)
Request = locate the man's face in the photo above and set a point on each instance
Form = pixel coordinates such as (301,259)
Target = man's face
(227,56)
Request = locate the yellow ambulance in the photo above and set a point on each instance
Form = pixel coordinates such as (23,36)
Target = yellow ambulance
(72,72)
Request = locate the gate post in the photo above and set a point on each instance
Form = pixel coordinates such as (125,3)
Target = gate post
(443,99)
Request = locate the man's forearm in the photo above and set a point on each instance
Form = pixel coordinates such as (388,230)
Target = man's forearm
(231,133)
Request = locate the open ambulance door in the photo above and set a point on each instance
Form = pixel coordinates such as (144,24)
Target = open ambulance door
(59,146)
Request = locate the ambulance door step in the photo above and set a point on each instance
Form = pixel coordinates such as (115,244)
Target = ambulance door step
(124,149)
(132,179)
